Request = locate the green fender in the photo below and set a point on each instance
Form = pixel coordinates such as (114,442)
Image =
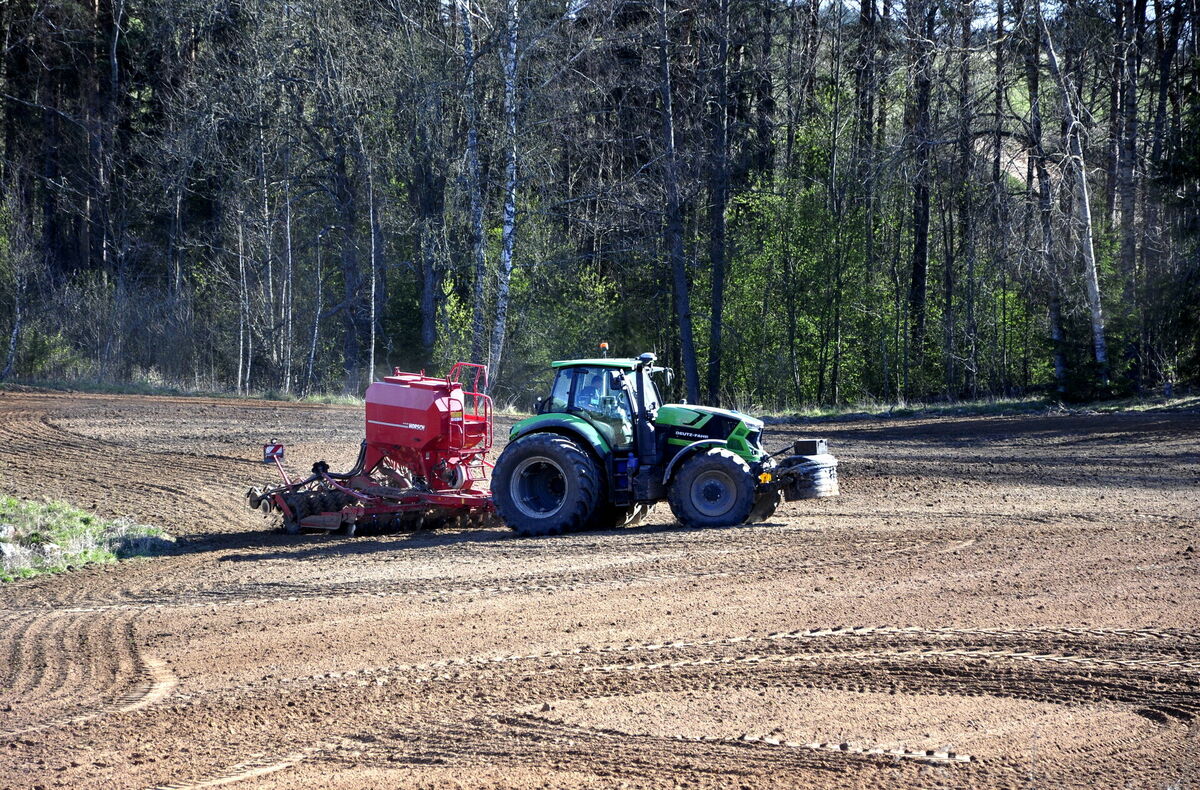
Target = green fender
(567,424)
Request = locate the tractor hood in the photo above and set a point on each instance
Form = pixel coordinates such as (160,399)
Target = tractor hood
(696,417)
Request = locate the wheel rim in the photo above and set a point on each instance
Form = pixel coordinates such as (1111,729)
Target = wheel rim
(713,493)
(538,487)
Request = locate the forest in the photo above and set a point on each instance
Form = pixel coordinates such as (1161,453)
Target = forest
(790,201)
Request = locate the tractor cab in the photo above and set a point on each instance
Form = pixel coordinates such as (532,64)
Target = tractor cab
(617,397)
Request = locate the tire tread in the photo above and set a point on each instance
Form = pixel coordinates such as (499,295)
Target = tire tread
(580,465)
(679,500)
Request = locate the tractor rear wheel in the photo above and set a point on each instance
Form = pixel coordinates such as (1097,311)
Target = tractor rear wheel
(545,484)
(713,489)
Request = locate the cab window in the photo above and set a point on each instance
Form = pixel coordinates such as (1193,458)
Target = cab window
(600,398)
(561,391)
(649,391)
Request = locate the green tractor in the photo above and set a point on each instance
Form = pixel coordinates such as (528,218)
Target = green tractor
(603,448)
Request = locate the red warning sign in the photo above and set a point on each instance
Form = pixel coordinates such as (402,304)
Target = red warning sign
(271,452)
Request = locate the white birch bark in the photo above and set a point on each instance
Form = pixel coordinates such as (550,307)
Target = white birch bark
(372,218)
(508,58)
(1083,205)
(241,308)
(288,285)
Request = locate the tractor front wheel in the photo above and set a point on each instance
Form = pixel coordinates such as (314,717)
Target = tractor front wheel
(545,484)
(713,489)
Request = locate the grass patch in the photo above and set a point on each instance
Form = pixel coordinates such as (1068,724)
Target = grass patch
(48,537)
(145,388)
(982,407)
(517,408)
(327,398)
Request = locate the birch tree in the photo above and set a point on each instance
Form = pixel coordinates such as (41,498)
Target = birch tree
(508,233)
(1083,204)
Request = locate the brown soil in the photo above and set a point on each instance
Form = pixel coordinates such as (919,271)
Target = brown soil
(992,602)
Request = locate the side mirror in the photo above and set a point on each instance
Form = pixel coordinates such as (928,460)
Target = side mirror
(537,408)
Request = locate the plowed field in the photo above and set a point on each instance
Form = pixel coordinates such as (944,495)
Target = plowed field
(992,602)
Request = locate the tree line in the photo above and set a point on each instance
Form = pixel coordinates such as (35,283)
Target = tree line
(790,201)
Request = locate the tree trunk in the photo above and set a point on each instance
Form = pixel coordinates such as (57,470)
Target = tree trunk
(922,15)
(10,358)
(1057,342)
(966,230)
(289,292)
(764,100)
(474,189)
(345,189)
(1131,35)
(1116,83)
(427,193)
(719,196)
(320,305)
(674,218)
(1083,204)
(789,82)
(373,218)
(508,232)
(1050,270)
(242,307)
(866,87)
(1167,46)
(999,193)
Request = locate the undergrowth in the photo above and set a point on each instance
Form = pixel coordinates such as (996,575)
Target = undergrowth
(47,537)
(517,408)
(982,407)
(144,388)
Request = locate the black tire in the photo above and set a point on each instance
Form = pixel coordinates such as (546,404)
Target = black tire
(546,484)
(712,489)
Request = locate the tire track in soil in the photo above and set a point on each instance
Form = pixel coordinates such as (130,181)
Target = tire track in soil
(1154,691)
(70,673)
(860,659)
(533,584)
(821,634)
(256,766)
(57,460)
(12,669)
(931,756)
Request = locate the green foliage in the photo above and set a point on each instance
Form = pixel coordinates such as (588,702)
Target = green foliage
(559,313)
(47,537)
(240,140)
(47,354)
